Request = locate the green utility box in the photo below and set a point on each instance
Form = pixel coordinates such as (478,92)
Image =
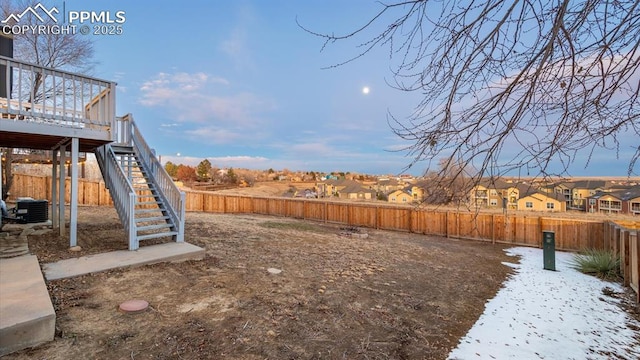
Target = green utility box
(549,250)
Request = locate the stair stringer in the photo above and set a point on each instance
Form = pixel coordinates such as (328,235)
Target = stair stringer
(121,191)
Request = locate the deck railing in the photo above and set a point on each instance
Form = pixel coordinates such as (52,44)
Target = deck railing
(35,93)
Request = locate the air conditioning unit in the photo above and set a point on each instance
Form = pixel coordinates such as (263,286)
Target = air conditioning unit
(32,211)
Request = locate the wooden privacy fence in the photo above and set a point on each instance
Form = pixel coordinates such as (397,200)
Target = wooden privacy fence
(39,187)
(516,229)
(513,229)
(626,242)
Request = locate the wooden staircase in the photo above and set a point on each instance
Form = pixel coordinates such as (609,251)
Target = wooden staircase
(150,210)
(149,204)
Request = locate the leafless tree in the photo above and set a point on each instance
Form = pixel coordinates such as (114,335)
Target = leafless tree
(511,86)
(450,184)
(65,51)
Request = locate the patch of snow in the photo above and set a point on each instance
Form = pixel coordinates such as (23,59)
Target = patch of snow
(542,314)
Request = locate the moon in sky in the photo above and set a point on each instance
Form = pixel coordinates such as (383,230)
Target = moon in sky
(365,90)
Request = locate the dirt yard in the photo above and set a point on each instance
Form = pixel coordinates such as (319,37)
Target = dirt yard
(387,296)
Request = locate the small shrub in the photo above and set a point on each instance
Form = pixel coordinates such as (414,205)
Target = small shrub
(601,263)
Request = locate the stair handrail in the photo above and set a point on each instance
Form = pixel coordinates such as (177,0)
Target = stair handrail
(170,193)
(122,191)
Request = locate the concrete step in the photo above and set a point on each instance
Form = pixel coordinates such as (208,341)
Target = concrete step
(170,252)
(27,318)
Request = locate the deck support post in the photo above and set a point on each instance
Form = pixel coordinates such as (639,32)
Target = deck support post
(61,188)
(73,215)
(55,218)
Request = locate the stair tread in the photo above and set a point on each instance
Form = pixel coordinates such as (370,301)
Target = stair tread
(152,218)
(157,235)
(148,202)
(154,227)
(144,211)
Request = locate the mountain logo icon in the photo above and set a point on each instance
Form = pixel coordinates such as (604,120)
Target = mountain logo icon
(35,11)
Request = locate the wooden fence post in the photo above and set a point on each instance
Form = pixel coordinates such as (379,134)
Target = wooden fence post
(637,270)
(446,222)
(326,212)
(634,262)
(493,229)
(616,240)
(540,230)
(625,260)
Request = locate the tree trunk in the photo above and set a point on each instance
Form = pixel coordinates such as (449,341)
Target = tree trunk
(7,176)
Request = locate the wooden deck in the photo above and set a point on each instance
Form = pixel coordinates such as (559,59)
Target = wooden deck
(44,107)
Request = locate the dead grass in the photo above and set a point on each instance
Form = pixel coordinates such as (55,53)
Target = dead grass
(388,296)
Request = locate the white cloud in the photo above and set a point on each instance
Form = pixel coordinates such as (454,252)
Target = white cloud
(238,159)
(196,98)
(314,148)
(225,161)
(213,135)
(169,88)
(396,147)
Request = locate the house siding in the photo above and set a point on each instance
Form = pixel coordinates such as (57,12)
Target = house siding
(539,202)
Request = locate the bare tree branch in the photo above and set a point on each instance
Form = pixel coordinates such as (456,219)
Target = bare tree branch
(522,86)
(64,51)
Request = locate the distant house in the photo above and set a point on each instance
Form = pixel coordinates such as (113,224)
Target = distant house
(306,193)
(616,202)
(400,197)
(356,191)
(417,192)
(575,193)
(330,177)
(496,193)
(330,187)
(541,201)
(584,189)
(387,185)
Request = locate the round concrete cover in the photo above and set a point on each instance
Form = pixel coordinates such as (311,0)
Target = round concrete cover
(134,306)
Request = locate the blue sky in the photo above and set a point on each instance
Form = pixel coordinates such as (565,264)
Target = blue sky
(239,83)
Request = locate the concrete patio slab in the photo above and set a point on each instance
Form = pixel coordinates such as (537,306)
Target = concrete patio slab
(169,252)
(27,317)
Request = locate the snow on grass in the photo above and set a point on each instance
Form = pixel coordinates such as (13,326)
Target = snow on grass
(542,314)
